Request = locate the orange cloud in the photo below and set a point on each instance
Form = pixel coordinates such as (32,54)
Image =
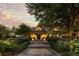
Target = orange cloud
(7,15)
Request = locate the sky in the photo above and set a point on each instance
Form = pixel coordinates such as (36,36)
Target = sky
(13,14)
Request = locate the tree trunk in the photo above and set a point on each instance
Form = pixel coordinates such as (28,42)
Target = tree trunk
(72,21)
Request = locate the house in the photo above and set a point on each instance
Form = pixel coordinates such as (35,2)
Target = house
(38,33)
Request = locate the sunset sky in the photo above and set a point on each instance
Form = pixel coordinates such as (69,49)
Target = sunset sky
(14,14)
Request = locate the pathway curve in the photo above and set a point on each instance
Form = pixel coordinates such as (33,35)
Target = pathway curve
(39,48)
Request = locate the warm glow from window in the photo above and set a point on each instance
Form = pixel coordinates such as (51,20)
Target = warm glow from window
(33,37)
(43,37)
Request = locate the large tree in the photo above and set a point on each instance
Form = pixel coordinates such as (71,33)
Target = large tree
(55,14)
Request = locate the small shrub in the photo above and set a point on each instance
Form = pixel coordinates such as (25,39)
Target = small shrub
(74,47)
(52,42)
(21,47)
(62,46)
(22,39)
(9,46)
(58,44)
(1,46)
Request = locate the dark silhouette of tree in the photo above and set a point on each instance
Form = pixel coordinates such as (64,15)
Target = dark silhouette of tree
(4,31)
(23,29)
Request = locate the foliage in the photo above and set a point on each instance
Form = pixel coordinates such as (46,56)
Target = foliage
(59,45)
(50,15)
(74,47)
(62,46)
(4,31)
(20,47)
(22,38)
(23,29)
(52,41)
(12,47)
(77,26)
(7,45)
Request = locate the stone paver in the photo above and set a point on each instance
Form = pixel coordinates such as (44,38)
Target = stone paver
(38,48)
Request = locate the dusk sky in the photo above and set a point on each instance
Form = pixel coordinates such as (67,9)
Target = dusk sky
(14,14)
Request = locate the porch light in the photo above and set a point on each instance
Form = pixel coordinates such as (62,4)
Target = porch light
(33,37)
(43,37)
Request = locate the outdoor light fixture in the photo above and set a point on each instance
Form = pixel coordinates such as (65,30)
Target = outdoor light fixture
(43,37)
(33,37)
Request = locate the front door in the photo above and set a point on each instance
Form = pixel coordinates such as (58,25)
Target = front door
(38,36)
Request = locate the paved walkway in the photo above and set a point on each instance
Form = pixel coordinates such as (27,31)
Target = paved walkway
(38,48)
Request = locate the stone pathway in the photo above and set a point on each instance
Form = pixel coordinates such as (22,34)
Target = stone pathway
(39,48)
